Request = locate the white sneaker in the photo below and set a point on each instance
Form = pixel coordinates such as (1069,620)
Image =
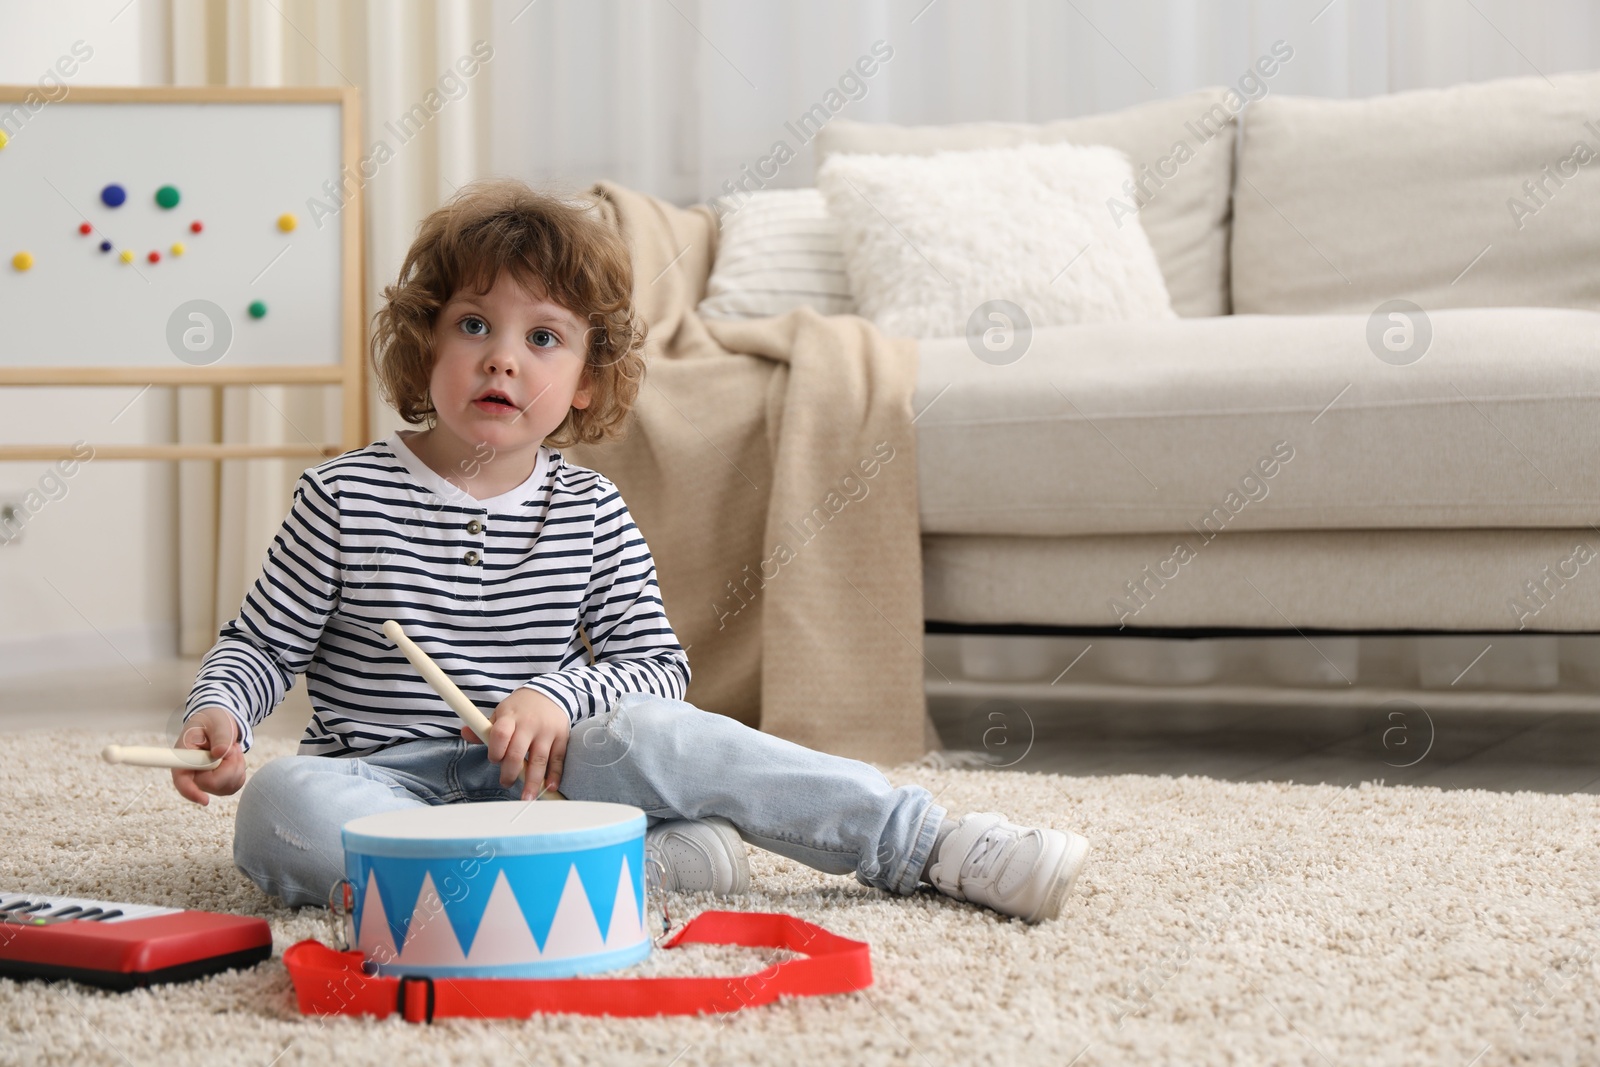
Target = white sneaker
(699,854)
(1016,870)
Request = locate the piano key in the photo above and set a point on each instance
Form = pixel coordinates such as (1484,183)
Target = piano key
(19,904)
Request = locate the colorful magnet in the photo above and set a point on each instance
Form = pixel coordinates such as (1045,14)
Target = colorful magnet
(113,195)
(287,222)
(178,249)
(258,309)
(167,196)
(154,256)
(4,140)
(85,229)
(195,226)
(126,256)
(105,246)
(24,260)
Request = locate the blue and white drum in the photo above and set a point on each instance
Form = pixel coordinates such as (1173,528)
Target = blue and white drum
(501,889)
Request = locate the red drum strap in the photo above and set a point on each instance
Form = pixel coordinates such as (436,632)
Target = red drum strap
(328,982)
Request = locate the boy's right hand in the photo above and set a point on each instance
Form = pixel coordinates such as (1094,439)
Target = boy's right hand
(214,730)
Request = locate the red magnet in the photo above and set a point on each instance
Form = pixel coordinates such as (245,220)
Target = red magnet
(195,227)
(154,257)
(85,228)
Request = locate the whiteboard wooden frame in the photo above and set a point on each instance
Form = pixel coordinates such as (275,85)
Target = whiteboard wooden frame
(349,372)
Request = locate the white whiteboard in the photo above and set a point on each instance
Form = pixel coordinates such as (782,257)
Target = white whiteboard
(237,168)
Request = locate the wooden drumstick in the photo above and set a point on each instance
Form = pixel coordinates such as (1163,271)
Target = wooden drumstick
(441,683)
(190,759)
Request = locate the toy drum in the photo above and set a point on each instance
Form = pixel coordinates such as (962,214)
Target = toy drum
(500,889)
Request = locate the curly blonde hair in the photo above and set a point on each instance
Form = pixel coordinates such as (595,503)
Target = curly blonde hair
(551,246)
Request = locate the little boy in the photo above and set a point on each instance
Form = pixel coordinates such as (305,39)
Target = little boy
(510,333)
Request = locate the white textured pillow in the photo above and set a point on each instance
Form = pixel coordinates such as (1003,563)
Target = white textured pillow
(928,239)
(779,250)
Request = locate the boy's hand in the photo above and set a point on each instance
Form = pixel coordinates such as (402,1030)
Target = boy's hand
(214,730)
(527,725)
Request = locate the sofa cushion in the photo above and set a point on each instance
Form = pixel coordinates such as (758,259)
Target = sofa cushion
(1480,195)
(955,242)
(1264,423)
(777,250)
(1186,143)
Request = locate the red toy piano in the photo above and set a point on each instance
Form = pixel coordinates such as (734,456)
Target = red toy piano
(122,946)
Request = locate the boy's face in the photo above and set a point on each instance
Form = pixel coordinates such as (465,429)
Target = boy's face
(514,344)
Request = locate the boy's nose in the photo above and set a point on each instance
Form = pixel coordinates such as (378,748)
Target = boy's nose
(496,360)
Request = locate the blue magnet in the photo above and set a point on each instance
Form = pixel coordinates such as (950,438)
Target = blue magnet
(113,195)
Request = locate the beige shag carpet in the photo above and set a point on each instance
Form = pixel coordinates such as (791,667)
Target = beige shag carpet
(1216,923)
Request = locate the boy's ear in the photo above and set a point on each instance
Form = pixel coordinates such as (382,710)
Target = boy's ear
(585,391)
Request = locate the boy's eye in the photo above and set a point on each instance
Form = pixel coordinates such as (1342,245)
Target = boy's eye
(470,324)
(543,338)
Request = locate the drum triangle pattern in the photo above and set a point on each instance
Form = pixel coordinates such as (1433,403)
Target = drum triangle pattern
(434,911)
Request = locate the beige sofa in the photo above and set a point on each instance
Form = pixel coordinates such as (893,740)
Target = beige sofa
(1292,453)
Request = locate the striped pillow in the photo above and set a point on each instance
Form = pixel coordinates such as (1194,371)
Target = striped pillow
(778,251)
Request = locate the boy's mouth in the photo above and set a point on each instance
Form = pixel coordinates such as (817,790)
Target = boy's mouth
(495,399)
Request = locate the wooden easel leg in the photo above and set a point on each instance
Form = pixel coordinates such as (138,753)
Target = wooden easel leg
(353,433)
(215,438)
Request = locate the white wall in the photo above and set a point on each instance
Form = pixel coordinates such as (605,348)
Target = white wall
(92,581)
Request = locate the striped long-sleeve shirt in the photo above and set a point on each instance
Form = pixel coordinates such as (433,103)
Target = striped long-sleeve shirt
(494,590)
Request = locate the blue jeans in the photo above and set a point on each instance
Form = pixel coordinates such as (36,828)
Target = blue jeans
(669,758)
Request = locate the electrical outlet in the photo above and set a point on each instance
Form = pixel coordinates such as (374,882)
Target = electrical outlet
(12,517)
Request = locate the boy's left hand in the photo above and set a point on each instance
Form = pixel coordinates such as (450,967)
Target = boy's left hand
(527,725)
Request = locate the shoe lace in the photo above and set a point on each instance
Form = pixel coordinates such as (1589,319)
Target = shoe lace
(990,847)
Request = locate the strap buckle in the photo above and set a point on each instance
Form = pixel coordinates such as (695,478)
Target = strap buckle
(402,1003)
(341,915)
(654,873)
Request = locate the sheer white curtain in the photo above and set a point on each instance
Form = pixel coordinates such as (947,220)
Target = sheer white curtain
(396,55)
(676,97)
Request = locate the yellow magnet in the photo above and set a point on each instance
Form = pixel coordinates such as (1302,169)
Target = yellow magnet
(287,222)
(22,260)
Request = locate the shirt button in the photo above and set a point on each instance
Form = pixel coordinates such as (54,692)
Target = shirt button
(470,559)
(474,527)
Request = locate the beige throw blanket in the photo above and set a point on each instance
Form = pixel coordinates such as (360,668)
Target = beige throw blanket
(771,466)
